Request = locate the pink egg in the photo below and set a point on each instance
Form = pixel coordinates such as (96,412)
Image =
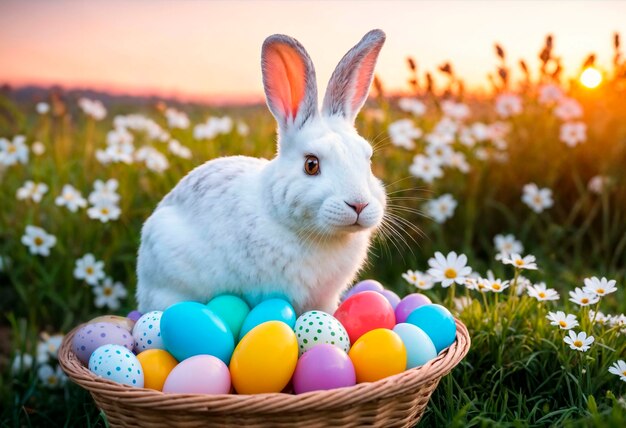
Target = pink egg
(200,374)
(322,367)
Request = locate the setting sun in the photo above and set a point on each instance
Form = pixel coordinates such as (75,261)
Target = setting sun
(591,77)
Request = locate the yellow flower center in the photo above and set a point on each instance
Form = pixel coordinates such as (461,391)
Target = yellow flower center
(107,291)
(450,273)
(519,262)
(38,241)
(11,148)
(104,211)
(68,196)
(89,270)
(422,283)
(624,373)
(496,286)
(584,300)
(563,324)
(413,278)
(542,294)
(537,200)
(578,343)
(481,285)
(600,291)
(52,380)
(443,208)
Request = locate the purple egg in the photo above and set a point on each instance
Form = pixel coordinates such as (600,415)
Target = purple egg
(409,304)
(391,297)
(365,285)
(134,315)
(323,367)
(92,336)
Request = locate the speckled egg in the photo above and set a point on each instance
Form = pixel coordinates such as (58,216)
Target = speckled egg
(92,336)
(315,327)
(116,363)
(147,332)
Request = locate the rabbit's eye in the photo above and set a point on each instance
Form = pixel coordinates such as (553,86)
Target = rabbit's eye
(312,165)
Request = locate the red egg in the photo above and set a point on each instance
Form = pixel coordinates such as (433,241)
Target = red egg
(363,312)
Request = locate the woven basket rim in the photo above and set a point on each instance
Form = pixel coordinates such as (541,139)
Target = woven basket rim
(407,382)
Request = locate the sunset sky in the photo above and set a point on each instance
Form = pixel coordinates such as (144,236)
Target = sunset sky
(199,49)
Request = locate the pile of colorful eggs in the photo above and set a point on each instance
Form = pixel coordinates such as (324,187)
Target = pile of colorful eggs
(224,346)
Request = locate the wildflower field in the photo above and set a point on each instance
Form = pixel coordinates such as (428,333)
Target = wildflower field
(509,207)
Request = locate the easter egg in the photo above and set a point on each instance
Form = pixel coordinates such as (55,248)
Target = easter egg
(157,365)
(134,315)
(419,348)
(391,297)
(323,367)
(365,285)
(377,354)
(365,311)
(147,332)
(117,363)
(231,309)
(190,328)
(200,374)
(123,322)
(315,327)
(408,304)
(269,310)
(265,359)
(92,336)
(437,322)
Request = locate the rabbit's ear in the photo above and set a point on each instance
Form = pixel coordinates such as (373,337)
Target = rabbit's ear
(289,81)
(350,83)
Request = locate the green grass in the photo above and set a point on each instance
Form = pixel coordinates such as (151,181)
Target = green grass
(518,372)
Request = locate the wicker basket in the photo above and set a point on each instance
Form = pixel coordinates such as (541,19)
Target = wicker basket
(396,401)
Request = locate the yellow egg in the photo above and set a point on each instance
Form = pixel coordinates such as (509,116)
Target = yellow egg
(265,359)
(123,322)
(377,354)
(157,365)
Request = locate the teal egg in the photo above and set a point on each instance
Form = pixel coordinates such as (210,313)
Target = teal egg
(269,310)
(190,328)
(231,309)
(437,322)
(419,348)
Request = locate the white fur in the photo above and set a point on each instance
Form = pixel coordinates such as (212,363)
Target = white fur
(263,228)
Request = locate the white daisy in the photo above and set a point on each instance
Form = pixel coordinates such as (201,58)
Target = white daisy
(537,199)
(71,198)
(600,287)
(89,269)
(42,108)
(550,94)
(519,262)
(441,153)
(242,129)
(598,317)
(446,127)
(402,133)
(32,190)
(439,138)
(454,110)
(176,118)
(92,108)
(619,369)
(459,161)
(412,105)
(12,152)
(573,133)
(154,159)
(450,269)
(213,127)
(568,109)
(38,240)
(496,285)
(541,293)
(579,342)
(51,378)
(460,303)
(441,208)
(104,190)
(597,184)
(508,105)
(507,244)
(480,131)
(582,298)
(38,148)
(109,294)
(426,168)
(178,149)
(419,279)
(104,210)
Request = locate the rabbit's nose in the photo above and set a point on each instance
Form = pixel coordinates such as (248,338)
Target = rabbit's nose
(357,207)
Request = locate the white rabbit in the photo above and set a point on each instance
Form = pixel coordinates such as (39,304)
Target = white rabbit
(298,225)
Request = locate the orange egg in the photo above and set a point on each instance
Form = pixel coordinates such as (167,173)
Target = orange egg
(377,354)
(157,365)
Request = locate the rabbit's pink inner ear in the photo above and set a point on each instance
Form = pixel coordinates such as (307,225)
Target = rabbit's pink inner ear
(363,80)
(285,77)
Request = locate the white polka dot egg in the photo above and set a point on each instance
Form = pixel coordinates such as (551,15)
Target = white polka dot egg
(116,363)
(315,327)
(147,332)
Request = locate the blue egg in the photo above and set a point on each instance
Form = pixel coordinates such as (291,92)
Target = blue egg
(190,328)
(437,322)
(419,348)
(269,310)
